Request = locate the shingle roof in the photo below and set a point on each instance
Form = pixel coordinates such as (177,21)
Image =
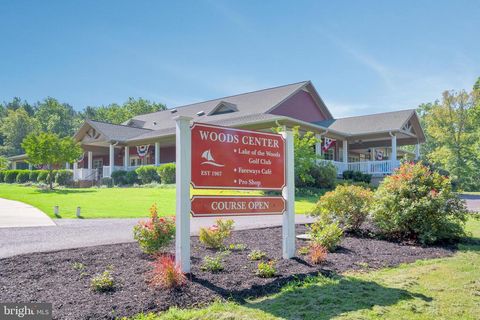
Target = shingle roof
(117,132)
(225,120)
(379,122)
(247,104)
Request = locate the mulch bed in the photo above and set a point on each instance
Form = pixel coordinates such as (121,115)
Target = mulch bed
(51,277)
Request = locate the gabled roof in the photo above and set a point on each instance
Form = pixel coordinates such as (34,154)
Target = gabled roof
(256,102)
(111,132)
(374,123)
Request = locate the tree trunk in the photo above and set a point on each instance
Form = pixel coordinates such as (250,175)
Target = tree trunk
(50,175)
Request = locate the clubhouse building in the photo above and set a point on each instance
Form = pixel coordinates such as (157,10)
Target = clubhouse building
(369,143)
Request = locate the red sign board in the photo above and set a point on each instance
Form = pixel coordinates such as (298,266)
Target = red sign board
(227,158)
(208,206)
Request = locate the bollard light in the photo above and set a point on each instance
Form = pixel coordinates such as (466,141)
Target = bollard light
(78,212)
(56,211)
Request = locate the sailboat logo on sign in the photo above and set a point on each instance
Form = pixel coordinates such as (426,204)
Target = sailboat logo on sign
(207,155)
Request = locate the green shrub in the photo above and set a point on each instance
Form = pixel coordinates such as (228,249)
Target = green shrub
(2,176)
(213,264)
(215,236)
(266,269)
(256,255)
(106,181)
(119,177)
(42,176)
(103,282)
(416,203)
(22,176)
(11,176)
(33,175)
(147,174)
(64,177)
(324,176)
(354,183)
(346,205)
(167,173)
(327,235)
(131,178)
(154,234)
(357,176)
(237,247)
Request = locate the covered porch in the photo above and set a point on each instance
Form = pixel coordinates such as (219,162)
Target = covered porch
(373,144)
(104,155)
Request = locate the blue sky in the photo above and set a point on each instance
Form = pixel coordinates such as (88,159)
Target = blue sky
(362,56)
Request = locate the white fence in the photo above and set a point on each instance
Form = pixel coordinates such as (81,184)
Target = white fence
(81,174)
(371,167)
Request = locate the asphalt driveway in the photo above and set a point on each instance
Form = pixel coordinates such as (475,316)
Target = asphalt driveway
(76,233)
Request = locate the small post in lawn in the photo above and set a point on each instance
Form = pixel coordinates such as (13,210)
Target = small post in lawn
(288,193)
(78,212)
(56,211)
(183,177)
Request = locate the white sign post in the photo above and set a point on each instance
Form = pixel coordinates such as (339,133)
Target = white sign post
(183,201)
(288,193)
(183,177)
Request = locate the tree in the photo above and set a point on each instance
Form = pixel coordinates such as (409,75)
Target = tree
(3,163)
(16,104)
(452,132)
(304,155)
(51,150)
(56,117)
(115,113)
(14,128)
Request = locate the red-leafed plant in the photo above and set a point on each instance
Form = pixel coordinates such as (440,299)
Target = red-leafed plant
(317,253)
(154,234)
(165,273)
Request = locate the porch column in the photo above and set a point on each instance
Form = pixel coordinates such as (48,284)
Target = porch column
(417,151)
(345,151)
(30,167)
(126,158)
(393,155)
(157,154)
(372,154)
(14,165)
(90,160)
(67,165)
(318,147)
(111,158)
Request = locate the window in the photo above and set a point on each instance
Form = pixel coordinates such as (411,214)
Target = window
(329,154)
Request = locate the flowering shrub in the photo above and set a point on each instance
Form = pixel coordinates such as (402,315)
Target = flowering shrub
(215,236)
(266,269)
(317,253)
(165,273)
(348,205)
(154,234)
(416,203)
(328,235)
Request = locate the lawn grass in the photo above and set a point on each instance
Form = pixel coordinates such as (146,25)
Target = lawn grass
(114,202)
(447,288)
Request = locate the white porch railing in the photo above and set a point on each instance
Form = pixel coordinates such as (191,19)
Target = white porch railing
(370,167)
(82,174)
